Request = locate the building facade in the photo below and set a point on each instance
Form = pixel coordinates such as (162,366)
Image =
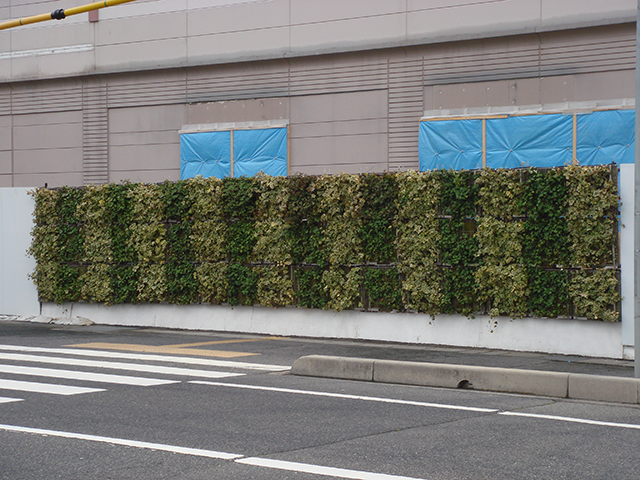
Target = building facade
(104,97)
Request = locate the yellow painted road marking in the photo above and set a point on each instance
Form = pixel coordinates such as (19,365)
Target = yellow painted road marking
(163,349)
(220,342)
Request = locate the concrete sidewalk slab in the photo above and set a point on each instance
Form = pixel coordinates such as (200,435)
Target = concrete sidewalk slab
(508,380)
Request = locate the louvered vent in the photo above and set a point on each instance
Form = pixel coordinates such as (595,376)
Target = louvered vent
(406,92)
(95,134)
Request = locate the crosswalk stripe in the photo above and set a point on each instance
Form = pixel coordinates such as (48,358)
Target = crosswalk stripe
(86,376)
(134,367)
(9,400)
(45,388)
(147,357)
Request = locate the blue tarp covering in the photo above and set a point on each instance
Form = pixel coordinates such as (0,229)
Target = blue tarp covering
(530,141)
(209,153)
(263,150)
(205,153)
(450,144)
(605,137)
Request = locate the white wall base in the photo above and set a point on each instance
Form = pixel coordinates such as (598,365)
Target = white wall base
(561,336)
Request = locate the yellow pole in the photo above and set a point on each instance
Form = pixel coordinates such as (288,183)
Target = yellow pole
(61,13)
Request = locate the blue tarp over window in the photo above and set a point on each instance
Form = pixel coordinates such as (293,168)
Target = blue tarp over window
(544,140)
(605,137)
(530,141)
(451,144)
(263,150)
(257,150)
(205,153)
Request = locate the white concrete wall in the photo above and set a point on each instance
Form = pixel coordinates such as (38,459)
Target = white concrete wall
(169,33)
(18,294)
(572,337)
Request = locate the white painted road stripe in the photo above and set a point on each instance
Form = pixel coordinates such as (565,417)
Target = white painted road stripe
(572,420)
(120,441)
(147,357)
(349,397)
(134,367)
(86,376)
(9,400)
(45,388)
(318,470)
(258,462)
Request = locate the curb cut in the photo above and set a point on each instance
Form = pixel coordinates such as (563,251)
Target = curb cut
(507,380)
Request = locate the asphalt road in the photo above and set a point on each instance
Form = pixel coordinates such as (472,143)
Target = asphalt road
(187,405)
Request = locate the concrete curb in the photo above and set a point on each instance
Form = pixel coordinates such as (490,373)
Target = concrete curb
(508,380)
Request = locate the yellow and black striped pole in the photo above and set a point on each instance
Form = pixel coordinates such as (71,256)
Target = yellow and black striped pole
(61,13)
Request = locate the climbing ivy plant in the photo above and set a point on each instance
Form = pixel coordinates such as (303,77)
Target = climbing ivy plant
(539,242)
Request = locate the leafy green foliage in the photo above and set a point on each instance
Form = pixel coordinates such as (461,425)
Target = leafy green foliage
(310,291)
(383,288)
(511,242)
(242,283)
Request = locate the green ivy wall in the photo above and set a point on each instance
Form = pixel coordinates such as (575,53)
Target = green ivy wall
(503,242)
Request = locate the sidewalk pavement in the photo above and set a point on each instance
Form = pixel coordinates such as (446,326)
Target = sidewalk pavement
(542,374)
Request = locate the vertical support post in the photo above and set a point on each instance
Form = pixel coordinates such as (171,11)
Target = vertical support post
(231,133)
(575,139)
(636,211)
(289,152)
(484,140)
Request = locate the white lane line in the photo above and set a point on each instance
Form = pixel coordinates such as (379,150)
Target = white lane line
(121,441)
(45,388)
(349,397)
(318,470)
(147,357)
(86,376)
(9,400)
(258,462)
(134,367)
(572,420)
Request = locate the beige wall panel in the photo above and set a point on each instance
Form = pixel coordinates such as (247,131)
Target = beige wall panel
(58,118)
(340,168)
(54,65)
(147,119)
(145,176)
(238,111)
(348,150)
(141,29)
(229,46)
(5,138)
(352,32)
(51,179)
(47,137)
(474,18)
(144,157)
(556,89)
(5,67)
(52,35)
(470,95)
(148,7)
(603,86)
(428,98)
(525,91)
(144,138)
(235,18)
(326,129)
(554,11)
(313,11)
(5,162)
(48,160)
(158,52)
(339,106)
(6,181)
